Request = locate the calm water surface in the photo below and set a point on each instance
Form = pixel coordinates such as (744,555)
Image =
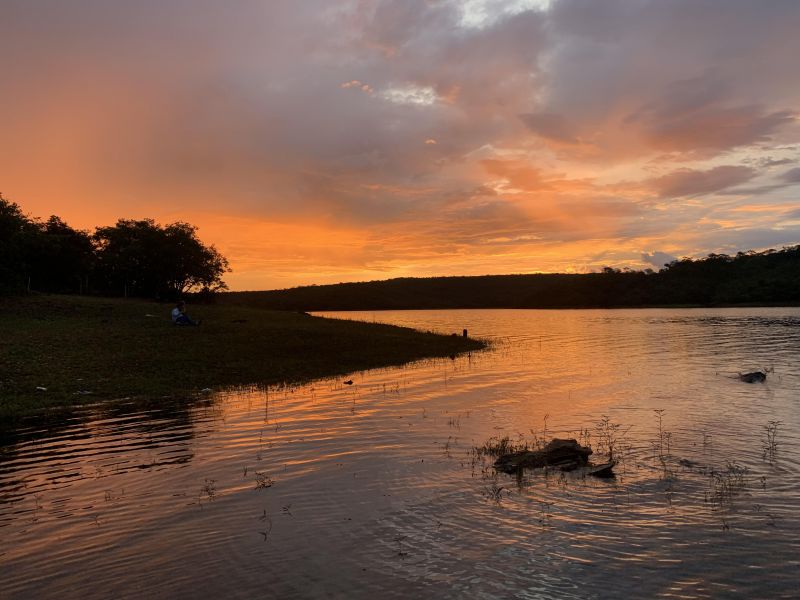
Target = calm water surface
(372,490)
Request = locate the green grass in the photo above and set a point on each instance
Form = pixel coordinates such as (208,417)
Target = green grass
(129,349)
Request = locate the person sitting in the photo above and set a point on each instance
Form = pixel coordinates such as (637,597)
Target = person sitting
(179,316)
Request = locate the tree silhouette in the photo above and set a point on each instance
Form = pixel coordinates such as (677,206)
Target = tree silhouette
(130,258)
(142,258)
(61,258)
(16,239)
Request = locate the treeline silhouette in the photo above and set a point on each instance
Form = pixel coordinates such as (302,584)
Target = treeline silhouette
(131,258)
(770,277)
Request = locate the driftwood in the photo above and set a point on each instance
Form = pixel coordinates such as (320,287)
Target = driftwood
(604,471)
(566,455)
(557,453)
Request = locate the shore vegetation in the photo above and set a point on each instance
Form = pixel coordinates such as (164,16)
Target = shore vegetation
(768,278)
(62,350)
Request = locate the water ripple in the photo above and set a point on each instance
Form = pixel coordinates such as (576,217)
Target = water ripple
(374,490)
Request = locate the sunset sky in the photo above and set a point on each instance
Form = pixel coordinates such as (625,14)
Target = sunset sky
(317,141)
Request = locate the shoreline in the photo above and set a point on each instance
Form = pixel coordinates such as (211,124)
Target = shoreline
(61,351)
(620,307)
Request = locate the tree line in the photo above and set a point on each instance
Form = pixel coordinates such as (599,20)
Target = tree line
(755,278)
(131,258)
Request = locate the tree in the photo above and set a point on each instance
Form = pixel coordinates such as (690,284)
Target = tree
(61,258)
(142,258)
(17,233)
(190,265)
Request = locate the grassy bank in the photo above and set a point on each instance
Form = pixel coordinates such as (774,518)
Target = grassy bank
(114,348)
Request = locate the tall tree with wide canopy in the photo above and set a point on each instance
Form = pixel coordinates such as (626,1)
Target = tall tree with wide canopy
(142,258)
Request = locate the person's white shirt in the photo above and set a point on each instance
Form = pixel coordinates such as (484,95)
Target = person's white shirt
(176,312)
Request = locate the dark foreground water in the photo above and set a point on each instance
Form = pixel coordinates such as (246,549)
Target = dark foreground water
(372,490)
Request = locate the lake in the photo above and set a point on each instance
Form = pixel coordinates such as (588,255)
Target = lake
(375,490)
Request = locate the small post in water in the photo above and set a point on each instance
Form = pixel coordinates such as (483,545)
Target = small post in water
(465,333)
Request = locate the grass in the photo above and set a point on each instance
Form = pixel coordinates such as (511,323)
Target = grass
(496,447)
(64,350)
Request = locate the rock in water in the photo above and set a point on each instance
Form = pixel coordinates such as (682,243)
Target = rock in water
(567,454)
(754,377)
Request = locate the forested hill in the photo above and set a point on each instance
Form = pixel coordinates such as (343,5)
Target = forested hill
(770,277)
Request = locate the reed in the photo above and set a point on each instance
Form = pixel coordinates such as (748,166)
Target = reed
(726,483)
(610,438)
(769,442)
(662,447)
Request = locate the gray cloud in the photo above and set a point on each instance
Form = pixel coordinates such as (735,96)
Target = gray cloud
(757,238)
(693,115)
(658,259)
(721,84)
(775,162)
(551,126)
(712,128)
(689,182)
(792,175)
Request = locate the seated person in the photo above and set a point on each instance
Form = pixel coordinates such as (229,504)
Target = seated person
(179,316)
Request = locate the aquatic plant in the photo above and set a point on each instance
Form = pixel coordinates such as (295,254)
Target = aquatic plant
(609,438)
(209,489)
(494,492)
(662,446)
(585,437)
(539,442)
(263,480)
(727,483)
(769,443)
(499,446)
(544,512)
(399,539)
(265,517)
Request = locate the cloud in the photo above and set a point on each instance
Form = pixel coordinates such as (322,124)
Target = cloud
(792,175)
(710,129)
(687,183)
(413,136)
(550,126)
(719,87)
(775,162)
(658,259)
(411,94)
(356,84)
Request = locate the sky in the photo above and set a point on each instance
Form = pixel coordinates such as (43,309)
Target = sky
(319,141)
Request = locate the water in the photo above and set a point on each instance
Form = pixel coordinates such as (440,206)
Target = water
(372,490)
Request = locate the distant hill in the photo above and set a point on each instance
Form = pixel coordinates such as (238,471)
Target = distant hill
(771,277)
